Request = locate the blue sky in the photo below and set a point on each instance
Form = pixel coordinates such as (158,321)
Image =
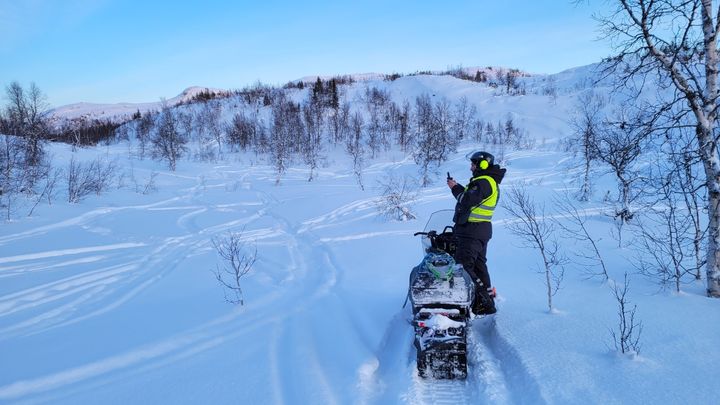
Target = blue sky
(136,51)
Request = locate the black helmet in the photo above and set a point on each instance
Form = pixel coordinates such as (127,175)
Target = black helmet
(482,160)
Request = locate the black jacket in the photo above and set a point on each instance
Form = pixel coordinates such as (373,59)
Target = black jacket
(477,191)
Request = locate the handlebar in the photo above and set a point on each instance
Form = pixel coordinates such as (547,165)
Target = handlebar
(443,241)
(431,234)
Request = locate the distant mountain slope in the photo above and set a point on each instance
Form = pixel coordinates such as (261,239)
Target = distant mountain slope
(121,111)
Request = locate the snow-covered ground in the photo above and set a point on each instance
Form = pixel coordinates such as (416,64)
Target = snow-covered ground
(113,300)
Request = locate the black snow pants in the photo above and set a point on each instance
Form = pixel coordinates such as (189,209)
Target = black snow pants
(472,254)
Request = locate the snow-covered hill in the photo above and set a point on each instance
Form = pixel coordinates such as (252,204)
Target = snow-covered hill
(121,111)
(113,300)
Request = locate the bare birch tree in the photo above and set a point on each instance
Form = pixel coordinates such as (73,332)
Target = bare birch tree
(241,132)
(311,149)
(627,336)
(25,115)
(168,142)
(585,123)
(536,231)
(665,231)
(435,140)
(618,144)
(378,124)
(576,228)
(12,175)
(403,128)
(286,133)
(143,129)
(238,261)
(676,40)
(354,146)
(465,113)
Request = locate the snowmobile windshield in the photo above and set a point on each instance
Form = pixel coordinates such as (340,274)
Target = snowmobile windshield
(437,222)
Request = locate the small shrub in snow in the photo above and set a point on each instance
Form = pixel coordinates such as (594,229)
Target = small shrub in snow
(627,336)
(85,179)
(48,190)
(232,248)
(397,195)
(149,186)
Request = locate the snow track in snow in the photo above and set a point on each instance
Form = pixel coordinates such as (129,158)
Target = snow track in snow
(90,291)
(440,392)
(496,374)
(313,303)
(494,369)
(132,266)
(80,220)
(520,386)
(469,391)
(485,367)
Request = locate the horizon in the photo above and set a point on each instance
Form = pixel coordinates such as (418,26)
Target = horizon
(107,51)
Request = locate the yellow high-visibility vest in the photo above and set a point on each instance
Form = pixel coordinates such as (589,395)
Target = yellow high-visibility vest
(484,211)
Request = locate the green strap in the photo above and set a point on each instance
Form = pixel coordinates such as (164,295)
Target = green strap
(438,275)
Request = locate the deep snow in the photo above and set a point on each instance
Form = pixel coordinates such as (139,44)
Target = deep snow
(113,300)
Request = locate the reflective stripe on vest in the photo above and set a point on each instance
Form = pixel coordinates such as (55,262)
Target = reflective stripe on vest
(484,211)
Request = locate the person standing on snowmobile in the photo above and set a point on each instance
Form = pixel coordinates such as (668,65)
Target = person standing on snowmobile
(475,205)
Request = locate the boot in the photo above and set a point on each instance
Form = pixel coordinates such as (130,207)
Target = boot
(483,304)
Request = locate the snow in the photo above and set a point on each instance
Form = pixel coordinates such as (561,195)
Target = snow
(113,300)
(440,322)
(121,111)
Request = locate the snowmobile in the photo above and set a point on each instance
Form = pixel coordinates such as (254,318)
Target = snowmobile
(441,293)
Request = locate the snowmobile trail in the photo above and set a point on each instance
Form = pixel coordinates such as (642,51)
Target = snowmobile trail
(391,363)
(341,216)
(494,369)
(85,290)
(442,392)
(311,304)
(86,295)
(486,368)
(82,220)
(317,316)
(485,382)
(397,368)
(301,346)
(515,384)
(317,312)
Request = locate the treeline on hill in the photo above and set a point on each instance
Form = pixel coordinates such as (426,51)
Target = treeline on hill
(301,122)
(296,124)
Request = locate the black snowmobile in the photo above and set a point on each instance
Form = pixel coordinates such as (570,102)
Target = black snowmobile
(441,293)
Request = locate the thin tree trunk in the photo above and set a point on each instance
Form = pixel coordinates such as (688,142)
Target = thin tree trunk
(709,147)
(713,253)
